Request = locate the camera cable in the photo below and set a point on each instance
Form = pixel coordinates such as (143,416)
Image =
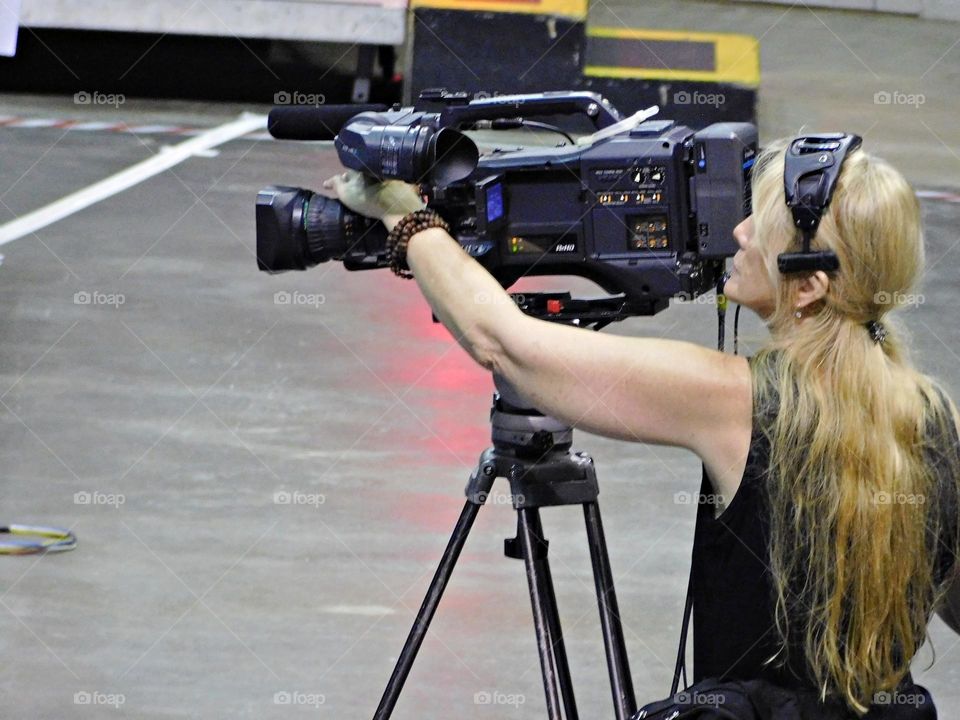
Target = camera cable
(35,539)
(722,318)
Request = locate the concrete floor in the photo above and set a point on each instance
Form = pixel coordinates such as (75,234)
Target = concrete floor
(198,399)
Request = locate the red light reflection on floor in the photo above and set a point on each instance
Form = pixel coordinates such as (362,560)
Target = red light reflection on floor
(445,388)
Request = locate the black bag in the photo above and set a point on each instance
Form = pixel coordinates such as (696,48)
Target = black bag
(713,699)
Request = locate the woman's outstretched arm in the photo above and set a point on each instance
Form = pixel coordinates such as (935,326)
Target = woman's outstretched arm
(642,389)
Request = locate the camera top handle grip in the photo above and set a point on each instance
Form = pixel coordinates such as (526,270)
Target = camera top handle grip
(456,109)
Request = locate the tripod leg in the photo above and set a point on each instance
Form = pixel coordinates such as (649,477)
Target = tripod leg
(624,702)
(419,630)
(531,545)
(556,633)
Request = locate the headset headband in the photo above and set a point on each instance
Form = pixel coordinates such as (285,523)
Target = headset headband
(810,173)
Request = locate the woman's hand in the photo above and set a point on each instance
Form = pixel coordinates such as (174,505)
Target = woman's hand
(387,201)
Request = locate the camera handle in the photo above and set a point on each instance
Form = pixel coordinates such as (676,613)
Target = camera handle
(532,452)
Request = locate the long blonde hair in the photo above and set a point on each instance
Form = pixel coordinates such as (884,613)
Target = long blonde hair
(853,495)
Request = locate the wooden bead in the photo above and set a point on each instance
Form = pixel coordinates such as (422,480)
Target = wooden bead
(398,239)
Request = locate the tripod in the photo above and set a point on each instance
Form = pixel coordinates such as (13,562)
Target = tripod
(532,451)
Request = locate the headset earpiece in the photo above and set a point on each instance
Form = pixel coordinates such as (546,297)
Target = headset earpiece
(811,169)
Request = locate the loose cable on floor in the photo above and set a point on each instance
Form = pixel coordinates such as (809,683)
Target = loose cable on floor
(35,539)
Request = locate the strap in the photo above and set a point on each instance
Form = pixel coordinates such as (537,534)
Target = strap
(681,665)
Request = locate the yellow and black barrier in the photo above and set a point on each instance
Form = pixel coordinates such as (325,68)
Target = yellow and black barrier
(672,55)
(510,46)
(695,77)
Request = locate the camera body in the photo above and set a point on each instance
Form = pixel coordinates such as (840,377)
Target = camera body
(647,213)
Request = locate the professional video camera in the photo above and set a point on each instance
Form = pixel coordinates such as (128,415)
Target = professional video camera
(644,210)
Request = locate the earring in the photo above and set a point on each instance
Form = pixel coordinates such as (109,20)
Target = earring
(798,314)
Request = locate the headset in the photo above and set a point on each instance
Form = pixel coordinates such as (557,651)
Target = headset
(810,173)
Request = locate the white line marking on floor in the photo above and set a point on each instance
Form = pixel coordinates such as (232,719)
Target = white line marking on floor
(65,206)
(12,122)
(38,123)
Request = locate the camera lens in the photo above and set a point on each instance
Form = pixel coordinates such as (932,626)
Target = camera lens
(297,229)
(281,237)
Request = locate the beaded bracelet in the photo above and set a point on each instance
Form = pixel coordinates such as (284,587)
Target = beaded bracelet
(399,238)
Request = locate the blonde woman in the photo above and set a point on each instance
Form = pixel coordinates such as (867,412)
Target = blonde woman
(837,461)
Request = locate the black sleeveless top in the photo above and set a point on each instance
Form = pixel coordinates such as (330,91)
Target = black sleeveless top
(734,630)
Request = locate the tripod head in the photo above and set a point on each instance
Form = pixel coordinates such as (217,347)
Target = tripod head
(521,430)
(532,451)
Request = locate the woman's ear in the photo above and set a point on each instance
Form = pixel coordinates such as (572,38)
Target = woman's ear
(812,288)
